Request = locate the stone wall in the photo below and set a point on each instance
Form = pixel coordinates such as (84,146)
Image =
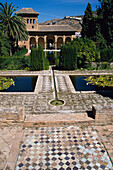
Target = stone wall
(103,112)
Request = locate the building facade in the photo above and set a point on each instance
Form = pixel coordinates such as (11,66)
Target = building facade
(51,37)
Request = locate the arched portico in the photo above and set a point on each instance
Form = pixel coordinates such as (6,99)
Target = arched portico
(68,39)
(41,41)
(32,42)
(50,41)
(59,42)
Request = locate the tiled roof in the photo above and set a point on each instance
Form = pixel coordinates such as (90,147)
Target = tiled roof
(27,11)
(55,28)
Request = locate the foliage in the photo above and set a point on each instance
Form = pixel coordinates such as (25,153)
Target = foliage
(100,81)
(18,62)
(101,43)
(20,53)
(38,61)
(68,58)
(86,51)
(45,64)
(3,59)
(88,23)
(14,25)
(105,17)
(5,43)
(99,27)
(106,55)
(37,58)
(5,83)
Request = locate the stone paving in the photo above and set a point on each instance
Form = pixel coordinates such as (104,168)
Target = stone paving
(10,137)
(62,148)
(39,103)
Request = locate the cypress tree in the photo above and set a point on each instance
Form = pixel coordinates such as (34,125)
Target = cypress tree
(105,18)
(37,58)
(88,21)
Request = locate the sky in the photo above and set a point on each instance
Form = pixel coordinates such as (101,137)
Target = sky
(50,9)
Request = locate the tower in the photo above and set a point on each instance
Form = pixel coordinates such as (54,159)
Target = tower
(30,16)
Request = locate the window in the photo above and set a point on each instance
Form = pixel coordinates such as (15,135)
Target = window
(33,21)
(27,21)
(30,21)
(32,26)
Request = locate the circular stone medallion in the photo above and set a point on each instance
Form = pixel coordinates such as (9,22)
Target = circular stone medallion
(57,102)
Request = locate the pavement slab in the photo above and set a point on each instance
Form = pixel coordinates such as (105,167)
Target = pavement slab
(10,137)
(60,148)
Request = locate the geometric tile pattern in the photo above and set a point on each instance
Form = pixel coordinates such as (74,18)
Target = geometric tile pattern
(62,148)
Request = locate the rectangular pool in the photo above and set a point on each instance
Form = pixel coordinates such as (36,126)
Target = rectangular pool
(22,84)
(81,85)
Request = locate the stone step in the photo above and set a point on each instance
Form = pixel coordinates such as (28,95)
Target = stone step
(75,112)
(56,119)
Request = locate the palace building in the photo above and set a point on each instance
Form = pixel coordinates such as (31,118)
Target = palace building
(49,36)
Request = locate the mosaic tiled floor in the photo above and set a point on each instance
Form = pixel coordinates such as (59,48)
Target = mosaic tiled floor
(62,148)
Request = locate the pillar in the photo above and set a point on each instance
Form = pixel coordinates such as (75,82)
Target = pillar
(72,37)
(36,41)
(45,42)
(64,39)
(28,43)
(56,42)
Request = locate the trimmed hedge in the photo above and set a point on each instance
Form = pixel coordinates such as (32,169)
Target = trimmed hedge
(38,61)
(20,53)
(37,58)
(15,62)
(68,58)
(45,64)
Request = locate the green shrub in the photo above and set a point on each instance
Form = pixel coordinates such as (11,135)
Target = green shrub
(45,64)
(86,51)
(57,62)
(106,55)
(16,63)
(68,58)
(20,53)
(37,55)
(3,59)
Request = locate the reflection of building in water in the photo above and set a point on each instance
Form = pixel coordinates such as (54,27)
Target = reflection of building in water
(49,36)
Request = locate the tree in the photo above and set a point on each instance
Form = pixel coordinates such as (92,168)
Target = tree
(105,18)
(88,22)
(5,43)
(86,51)
(14,25)
(37,55)
(68,58)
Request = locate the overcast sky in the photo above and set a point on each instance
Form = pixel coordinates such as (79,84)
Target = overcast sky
(50,9)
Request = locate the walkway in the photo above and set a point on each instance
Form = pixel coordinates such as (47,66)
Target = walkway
(56,148)
(55,137)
